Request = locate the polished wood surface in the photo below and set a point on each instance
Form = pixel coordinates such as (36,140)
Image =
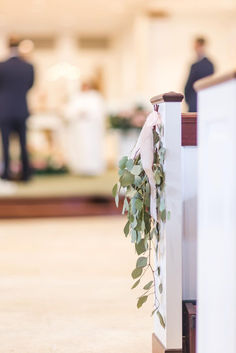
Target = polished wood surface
(189,129)
(33,207)
(157,346)
(189,325)
(213,80)
(167,97)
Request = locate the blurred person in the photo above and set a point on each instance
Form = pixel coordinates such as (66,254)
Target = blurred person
(26,48)
(201,68)
(86,115)
(16,78)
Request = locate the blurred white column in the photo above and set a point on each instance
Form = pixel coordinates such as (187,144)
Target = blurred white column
(66,48)
(216,320)
(67,56)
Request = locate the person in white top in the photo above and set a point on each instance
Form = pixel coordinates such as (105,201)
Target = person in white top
(86,125)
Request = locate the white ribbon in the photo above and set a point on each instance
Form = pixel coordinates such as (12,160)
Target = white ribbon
(145,147)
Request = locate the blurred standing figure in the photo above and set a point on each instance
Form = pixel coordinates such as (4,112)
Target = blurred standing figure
(16,78)
(201,68)
(86,115)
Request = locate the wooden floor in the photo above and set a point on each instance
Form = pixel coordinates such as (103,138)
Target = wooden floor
(78,206)
(59,196)
(65,288)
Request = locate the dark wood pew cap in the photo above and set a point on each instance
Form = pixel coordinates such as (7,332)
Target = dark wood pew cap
(167,97)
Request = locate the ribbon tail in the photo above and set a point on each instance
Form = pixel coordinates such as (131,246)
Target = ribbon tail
(153,208)
(145,148)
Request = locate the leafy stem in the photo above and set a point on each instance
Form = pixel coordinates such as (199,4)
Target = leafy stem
(144,231)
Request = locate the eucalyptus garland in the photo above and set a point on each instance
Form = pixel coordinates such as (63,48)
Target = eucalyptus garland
(143,230)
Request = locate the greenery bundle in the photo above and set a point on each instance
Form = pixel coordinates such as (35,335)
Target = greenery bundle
(144,231)
(127,120)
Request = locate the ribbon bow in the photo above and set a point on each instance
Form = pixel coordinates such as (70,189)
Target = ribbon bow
(145,147)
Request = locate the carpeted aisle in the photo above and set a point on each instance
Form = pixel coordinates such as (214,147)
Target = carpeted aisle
(65,287)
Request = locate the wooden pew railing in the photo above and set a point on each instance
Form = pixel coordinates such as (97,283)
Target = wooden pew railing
(189,129)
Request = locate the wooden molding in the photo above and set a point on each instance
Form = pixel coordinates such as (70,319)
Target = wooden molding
(189,325)
(167,97)
(213,80)
(189,129)
(157,346)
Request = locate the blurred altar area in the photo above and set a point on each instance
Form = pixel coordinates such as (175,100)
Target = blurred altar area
(126,51)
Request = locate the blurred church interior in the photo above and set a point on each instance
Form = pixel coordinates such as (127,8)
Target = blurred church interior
(130,50)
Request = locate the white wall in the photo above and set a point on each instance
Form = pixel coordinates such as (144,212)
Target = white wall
(152,56)
(171,53)
(149,56)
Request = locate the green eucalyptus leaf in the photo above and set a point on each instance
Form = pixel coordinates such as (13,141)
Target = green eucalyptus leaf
(126,229)
(141,262)
(138,180)
(147,188)
(138,204)
(162,322)
(157,177)
(133,236)
(139,222)
(134,223)
(148,285)
(132,204)
(129,164)
(160,288)
(155,137)
(125,206)
(135,284)
(136,170)
(138,237)
(140,247)
(130,217)
(126,179)
(122,162)
(147,200)
(136,273)
(117,200)
(141,301)
(162,205)
(162,153)
(163,215)
(158,270)
(168,215)
(147,220)
(114,190)
(121,172)
(142,226)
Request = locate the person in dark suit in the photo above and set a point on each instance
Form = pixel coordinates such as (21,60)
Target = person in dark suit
(201,68)
(16,78)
